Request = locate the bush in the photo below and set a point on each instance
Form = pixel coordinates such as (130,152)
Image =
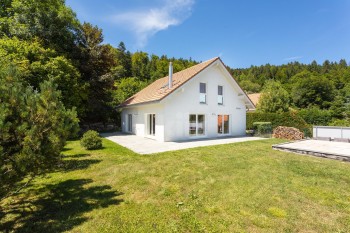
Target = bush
(91,140)
(340,123)
(262,128)
(288,119)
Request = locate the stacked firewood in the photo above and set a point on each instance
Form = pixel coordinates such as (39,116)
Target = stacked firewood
(289,133)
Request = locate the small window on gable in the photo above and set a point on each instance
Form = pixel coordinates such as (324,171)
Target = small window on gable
(202,93)
(220,95)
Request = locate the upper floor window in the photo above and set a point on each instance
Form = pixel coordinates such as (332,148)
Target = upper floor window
(220,95)
(202,93)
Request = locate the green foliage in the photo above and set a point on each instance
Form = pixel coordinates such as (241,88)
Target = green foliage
(338,107)
(37,64)
(262,128)
(315,116)
(342,122)
(91,140)
(250,87)
(51,21)
(140,65)
(34,127)
(125,88)
(308,84)
(96,69)
(310,89)
(274,98)
(288,119)
(123,58)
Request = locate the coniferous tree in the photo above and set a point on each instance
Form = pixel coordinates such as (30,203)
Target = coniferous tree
(33,129)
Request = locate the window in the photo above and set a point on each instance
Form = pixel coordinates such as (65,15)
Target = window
(223,124)
(129,122)
(202,93)
(152,124)
(220,95)
(197,125)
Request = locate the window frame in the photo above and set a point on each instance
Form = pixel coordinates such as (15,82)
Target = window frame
(222,133)
(129,121)
(205,93)
(197,123)
(151,127)
(222,95)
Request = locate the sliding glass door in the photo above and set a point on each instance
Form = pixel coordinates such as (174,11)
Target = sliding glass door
(130,123)
(151,124)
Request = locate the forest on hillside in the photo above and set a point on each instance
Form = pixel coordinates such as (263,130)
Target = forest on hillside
(320,93)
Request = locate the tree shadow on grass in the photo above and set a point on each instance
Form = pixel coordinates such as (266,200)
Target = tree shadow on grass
(75,156)
(75,164)
(59,207)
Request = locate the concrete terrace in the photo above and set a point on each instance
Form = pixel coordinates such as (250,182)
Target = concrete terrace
(143,145)
(327,149)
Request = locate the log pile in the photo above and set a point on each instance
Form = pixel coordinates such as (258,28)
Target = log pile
(289,133)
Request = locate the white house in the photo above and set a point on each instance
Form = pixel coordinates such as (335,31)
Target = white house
(203,101)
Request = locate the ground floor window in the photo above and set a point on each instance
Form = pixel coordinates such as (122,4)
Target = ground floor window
(197,124)
(129,122)
(151,124)
(223,124)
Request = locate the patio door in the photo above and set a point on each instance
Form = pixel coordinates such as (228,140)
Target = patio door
(151,124)
(223,124)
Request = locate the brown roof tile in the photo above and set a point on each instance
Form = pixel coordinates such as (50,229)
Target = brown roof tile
(158,90)
(255,98)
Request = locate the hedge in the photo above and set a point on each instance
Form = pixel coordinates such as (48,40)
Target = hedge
(279,119)
(262,128)
(316,116)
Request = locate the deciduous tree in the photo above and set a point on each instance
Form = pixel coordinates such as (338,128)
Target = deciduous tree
(274,98)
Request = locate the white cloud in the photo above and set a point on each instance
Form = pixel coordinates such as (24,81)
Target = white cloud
(292,58)
(146,23)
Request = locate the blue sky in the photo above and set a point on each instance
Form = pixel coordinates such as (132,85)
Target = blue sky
(242,33)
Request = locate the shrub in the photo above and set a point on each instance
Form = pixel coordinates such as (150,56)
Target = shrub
(341,123)
(91,140)
(262,128)
(288,119)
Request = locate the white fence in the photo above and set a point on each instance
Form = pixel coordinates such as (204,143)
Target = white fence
(331,132)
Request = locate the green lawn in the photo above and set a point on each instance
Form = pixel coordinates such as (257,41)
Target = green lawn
(242,187)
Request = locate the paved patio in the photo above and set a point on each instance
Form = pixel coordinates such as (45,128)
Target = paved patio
(143,145)
(328,149)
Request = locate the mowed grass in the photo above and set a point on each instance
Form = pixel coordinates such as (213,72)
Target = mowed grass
(241,187)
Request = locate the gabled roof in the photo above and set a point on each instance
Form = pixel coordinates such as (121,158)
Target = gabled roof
(159,89)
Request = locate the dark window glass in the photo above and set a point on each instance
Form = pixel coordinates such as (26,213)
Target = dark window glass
(201,124)
(220,90)
(202,88)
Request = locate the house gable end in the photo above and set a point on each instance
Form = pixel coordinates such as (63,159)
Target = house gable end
(220,68)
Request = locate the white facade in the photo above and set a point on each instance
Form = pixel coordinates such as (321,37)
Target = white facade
(173,113)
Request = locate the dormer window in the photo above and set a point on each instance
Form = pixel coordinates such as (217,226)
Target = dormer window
(202,93)
(220,95)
